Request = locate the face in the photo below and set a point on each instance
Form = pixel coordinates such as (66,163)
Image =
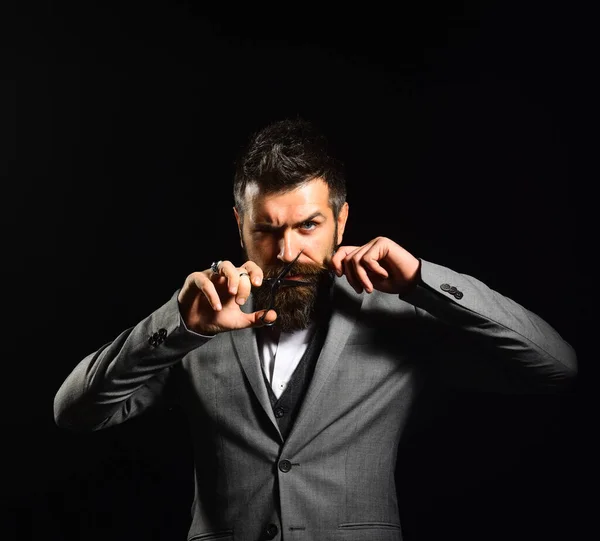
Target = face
(275,228)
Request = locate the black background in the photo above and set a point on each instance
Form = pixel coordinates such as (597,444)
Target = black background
(462,127)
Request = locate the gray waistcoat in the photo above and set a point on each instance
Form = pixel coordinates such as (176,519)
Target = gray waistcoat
(287,405)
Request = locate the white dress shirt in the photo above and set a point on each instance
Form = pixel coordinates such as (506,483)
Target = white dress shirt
(280,353)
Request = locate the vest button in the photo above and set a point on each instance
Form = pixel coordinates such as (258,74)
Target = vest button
(279,412)
(285,466)
(271,531)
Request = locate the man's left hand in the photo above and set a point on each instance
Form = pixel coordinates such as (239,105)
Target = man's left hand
(380,264)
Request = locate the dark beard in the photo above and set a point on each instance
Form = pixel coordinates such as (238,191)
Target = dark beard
(296,306)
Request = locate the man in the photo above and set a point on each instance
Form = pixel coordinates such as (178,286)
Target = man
(298,368)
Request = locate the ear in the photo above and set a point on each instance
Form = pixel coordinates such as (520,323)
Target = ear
(238,219)
(341,222)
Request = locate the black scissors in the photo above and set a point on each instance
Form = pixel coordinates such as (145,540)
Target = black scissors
(275,283)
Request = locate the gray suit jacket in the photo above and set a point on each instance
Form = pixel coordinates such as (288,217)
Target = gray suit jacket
(333,477)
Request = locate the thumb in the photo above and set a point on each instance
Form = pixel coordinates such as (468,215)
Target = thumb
(262,317)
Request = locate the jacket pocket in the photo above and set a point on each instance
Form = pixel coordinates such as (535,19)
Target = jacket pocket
(369,526)
(226,535)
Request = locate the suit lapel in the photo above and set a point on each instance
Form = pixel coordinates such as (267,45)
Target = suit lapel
(244,344)
(346,305)
(345,308)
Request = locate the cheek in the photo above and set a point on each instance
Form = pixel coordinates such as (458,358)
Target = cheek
(260,250)
(320,250)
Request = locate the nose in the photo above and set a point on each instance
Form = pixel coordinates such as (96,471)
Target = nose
(288,249)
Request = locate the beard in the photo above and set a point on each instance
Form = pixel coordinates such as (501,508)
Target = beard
(296,306)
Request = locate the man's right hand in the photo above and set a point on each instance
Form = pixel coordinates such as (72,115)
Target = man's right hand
(210,302)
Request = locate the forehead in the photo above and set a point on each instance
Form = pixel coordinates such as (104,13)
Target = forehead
(293,205)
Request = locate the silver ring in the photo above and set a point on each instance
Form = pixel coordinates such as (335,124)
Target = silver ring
(244,274)
(214,266)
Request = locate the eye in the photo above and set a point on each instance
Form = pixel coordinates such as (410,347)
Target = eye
(309,225)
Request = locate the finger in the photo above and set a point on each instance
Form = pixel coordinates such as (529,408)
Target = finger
(372,265)
(254,271)
(244,286)
(349,270)
(363,279)
(231,273)
(366,276)
(337,261)
(208,289)
(374,272)
(368,267)
(353,270)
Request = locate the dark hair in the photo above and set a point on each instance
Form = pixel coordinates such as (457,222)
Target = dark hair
(284,155)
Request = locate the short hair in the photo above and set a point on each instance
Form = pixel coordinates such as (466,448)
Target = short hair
(284,155)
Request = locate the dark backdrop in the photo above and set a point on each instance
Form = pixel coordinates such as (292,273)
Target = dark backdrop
(460,124)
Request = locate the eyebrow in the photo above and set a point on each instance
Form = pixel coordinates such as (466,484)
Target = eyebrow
(303,221)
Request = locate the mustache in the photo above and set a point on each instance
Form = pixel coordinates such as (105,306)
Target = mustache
(306,269)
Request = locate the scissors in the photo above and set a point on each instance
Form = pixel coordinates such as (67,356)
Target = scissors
(275,283)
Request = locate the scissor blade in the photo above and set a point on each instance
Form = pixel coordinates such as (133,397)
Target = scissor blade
(287,268)
(285,282)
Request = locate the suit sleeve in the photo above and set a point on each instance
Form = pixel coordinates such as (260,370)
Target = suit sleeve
(479,339)
(125,377)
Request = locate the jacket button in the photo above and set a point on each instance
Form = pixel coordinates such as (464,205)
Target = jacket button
(279,412)
(458,295)
(162,333)
(271,531)
(445,287)
(285,466)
